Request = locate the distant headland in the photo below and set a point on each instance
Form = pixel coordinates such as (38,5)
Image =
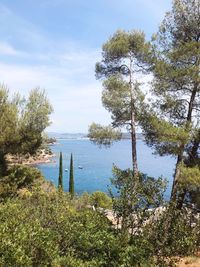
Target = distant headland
(57,135)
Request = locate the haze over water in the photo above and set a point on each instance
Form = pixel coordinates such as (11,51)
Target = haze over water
(97,163)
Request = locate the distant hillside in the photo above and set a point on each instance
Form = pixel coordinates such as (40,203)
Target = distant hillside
(67,135)
(84,135)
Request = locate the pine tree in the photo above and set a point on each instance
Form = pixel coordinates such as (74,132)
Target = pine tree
(122,57)
(173,125)
(21,125)
(71,177)
(60,178)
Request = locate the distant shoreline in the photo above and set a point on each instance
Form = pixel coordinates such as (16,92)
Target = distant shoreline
(42,157)
(84,136)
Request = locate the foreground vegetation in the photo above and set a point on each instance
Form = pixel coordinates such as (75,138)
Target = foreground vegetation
(43,226)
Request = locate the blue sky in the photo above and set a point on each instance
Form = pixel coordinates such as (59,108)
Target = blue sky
(54,44)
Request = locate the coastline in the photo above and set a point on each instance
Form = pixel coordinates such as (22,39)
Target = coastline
(41,157)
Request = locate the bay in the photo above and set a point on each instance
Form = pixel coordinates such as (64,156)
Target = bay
(97,163)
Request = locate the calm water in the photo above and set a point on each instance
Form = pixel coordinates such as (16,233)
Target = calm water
(97,163)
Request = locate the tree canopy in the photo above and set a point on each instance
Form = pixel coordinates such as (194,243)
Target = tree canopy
(22,122)
(172,125)
(123,56)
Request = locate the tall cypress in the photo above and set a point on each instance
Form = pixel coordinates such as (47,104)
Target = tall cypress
(71,177)
(60,178)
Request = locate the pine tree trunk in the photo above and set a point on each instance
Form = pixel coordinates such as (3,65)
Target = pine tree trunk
(192,161)
(176,176)
(133,122)
(133,143)
(194,152)
(174,192)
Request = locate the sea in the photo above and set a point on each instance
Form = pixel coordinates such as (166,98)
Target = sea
(93,165)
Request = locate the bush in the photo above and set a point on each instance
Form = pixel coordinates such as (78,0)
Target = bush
(19,176)
(46,230)
(174,233)
(51,229)
(100,199)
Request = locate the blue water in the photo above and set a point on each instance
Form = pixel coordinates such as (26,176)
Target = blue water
(97,163)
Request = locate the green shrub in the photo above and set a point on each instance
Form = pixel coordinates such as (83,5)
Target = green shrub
(174,233)
(100,199)
(51,229)
(19,176)
(24,176)
(46,230)
(138,254)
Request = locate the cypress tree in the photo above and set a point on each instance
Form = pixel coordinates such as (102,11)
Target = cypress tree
(71,177)
(60,178)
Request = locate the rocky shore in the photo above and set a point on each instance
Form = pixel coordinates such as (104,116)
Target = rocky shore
(42,156)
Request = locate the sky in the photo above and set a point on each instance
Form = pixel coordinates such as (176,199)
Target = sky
(54,45)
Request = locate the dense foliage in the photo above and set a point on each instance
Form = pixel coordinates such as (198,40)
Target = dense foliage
(54,233)
(19,178)
(99,199)
(40,228)
(22,122)
(171,125)
(122,55)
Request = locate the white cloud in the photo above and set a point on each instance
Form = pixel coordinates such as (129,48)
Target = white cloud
(8,50)
(75,106)
(69,82)
(15,28)
(63,67)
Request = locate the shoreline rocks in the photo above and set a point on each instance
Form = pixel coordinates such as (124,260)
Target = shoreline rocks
(43,156)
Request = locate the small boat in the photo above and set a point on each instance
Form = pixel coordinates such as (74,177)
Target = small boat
(66,170)
(80,167)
